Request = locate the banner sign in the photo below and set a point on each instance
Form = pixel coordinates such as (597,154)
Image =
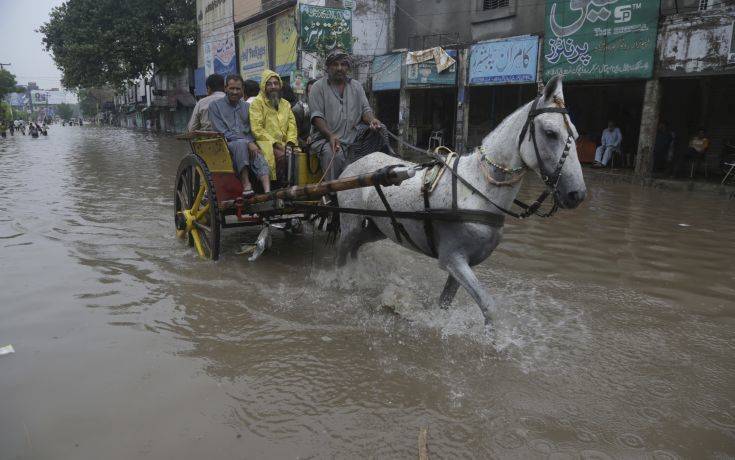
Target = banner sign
(219,52)
(600,39)
(253,40)
(39,96)
(286,43)
(511,60)
(323,29)
(425,73)
(387,72)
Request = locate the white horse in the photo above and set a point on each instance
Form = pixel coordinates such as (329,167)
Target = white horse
(538,137)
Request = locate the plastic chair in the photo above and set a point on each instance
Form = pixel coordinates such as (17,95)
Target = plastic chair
(438,137)
(616,151)
(694,162)
(729,172)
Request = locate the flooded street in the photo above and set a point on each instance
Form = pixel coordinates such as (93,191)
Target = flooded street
(616,338)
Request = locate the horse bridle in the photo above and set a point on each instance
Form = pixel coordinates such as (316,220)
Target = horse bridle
(550,180)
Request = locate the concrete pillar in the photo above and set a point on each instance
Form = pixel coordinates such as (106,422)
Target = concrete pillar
(704,101)
(463,101)
(404,112)
(649,125)
(391,13)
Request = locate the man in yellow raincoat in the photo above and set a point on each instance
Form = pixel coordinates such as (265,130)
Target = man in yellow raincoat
(273,123)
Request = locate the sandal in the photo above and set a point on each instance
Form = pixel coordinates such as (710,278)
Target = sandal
(248,193)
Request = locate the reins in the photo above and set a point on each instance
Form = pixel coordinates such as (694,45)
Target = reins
(550,180)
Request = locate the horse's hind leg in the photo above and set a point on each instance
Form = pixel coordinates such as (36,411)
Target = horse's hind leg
(450,290)
(460,270)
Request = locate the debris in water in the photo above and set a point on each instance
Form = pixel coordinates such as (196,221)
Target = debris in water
(246,249)
(424,443)
(684,225)
(6,350)
(326,339)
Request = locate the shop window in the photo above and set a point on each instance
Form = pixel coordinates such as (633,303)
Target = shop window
(494,4)
(489,10)
(705,5)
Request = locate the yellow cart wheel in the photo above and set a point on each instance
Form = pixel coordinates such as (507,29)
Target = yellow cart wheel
(196,214)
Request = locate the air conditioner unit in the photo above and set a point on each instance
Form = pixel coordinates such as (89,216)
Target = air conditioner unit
(731,58)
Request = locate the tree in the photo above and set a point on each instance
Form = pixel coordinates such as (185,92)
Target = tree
(7,83)
(65,111)
(109,42)
(6,112)
(88,104)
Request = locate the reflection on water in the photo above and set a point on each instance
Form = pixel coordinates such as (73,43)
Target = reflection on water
(615,338)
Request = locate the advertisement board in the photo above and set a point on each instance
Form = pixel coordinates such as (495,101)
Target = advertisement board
(600,39)
(511,60)
(253,41)
(286,39)
(323,29)
(387,72)
(426,74)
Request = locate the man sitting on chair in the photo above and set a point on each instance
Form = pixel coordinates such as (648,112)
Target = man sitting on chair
(229,116)
(611,140)
(273,123)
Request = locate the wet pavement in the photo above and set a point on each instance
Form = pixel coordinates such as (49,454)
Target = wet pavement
(616,336)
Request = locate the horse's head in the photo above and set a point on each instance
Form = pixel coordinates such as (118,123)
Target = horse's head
(547,146)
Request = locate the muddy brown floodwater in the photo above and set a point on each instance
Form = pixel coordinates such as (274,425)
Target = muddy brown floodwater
(616,338)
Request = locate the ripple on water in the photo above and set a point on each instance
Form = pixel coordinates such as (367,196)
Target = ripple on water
(606,316)
(631,440)
(721,418)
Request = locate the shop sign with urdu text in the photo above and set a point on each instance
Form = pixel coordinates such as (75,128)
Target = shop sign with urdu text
(600,39)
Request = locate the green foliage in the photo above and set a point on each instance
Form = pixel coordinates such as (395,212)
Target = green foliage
(7,83)
(65,111)
(109,42)
(6,112)
(19,114)
(88,105)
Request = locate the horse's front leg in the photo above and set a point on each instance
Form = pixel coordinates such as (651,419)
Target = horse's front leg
(460,270)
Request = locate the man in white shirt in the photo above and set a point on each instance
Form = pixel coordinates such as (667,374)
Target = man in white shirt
(611,139)
(200,117)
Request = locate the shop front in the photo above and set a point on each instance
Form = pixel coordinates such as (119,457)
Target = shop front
(606,59)
(501,78)
(697,75)
(432,98)
(386,88)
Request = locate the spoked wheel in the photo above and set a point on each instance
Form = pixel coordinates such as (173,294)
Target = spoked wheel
(196,214)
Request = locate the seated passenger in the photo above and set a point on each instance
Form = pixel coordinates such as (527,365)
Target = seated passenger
(273,124)
(200,117)
(229,116)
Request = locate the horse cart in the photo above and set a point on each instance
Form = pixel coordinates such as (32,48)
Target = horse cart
(208,194)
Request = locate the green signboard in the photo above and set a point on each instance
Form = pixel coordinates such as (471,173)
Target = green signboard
(600,39)
(323,29)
